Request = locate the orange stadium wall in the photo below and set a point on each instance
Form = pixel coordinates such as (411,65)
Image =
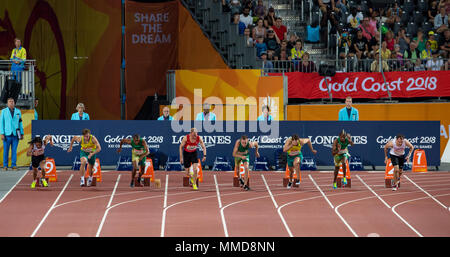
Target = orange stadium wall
(374,112)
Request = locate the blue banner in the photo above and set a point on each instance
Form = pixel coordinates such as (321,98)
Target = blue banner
(369,138)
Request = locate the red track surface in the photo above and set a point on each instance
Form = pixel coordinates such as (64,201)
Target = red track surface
(419,208)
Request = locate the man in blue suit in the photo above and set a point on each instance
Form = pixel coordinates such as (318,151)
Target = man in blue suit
(348,113)
(11,130)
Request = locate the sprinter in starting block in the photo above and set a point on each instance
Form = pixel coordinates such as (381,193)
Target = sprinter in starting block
(188,154)
(341,154)
(241,154)
(397,154)
(36,151)
(89,148)
(139,151)
(293,147)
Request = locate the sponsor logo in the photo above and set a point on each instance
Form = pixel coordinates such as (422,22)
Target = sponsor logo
(63,141)
(327,141)
(209,141)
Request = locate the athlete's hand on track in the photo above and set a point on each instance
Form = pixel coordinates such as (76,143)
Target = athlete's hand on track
(204,159)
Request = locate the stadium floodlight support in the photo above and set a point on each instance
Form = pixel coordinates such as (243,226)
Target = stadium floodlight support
(122,68)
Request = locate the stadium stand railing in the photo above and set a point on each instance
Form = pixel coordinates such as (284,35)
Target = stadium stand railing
(26,95)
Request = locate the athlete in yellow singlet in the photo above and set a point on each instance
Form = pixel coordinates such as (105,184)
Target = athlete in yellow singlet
(89,148)
(293,147)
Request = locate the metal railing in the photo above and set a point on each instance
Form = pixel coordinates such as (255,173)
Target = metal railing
(25,78)
(355,65)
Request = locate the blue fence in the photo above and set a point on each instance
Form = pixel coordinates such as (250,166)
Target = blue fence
(369,138)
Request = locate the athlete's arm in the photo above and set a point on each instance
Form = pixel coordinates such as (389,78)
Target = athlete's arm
(97,144)
(307,141)
(287,145)
(204,149)
(183,142)
(123,141)
(30,150)
(235,149)
(48,139)
(350,139)
(255,145)
(335,149)
(146,151)
(411,149)
(386,149)
(75,138)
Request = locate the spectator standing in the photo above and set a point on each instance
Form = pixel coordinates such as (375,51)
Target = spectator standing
(11,131)
(402,40)
(265,116)
(18,58)
(206,114)
(36,102)
(166,114)
(344,44)
(348,113)
(245,17)
(280,29)
(367,31)
(80,115)
(441,21)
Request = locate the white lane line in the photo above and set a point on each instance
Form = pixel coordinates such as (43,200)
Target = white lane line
(391,208)
(52,207)
(332,207)
(270,192)
(222,216)
(165,191)
(432,197)
(100,227)
(217,190)
(1,200)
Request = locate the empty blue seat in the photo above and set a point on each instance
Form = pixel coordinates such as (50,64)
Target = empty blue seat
(308,163)
(261,163)
(221,163)
(124,163)
(355,163)
(173,164)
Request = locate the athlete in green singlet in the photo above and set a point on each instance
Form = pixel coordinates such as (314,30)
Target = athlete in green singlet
(293,147)
(241,154)
(139,150)
(340,153)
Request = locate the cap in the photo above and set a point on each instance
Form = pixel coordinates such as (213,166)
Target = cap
(431,33)
(263,52)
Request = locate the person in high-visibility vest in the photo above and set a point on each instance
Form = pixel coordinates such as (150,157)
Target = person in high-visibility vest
(139,150)
(89,148)
(241,154)
(397,155)
(36,151)
(293,148)
(341,155)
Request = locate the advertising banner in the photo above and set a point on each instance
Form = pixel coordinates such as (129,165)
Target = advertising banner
(369,138)
(369,85)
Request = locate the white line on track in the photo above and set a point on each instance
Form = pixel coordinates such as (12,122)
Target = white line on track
(53,206)
(13,187)
(165,191)
(432,197)
(217,190)
(100,227)
(270,192)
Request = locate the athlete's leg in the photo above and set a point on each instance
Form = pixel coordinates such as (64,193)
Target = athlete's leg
(194,167)
(83,161)
(297,162)
(246,173)
(42,165)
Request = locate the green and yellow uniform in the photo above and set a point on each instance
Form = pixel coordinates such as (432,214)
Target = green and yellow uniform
(137,150)
(242,151)
(88,148)
(339,157)
(294,152)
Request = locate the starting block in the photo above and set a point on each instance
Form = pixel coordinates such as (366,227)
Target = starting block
(241,175)
(389,174)
(286,178)
(186,179)
(96,173)
(149,173)
(341,176)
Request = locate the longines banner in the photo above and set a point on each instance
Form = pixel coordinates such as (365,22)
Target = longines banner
(164,137)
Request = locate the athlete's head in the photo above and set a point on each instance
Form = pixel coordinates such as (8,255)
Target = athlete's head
(342,135)
(193,132)
(37,141)
(86,133)
(295,138)
(399,139)
(244,140)
(136,138)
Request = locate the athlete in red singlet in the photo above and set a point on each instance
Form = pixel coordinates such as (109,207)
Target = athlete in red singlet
(188,154)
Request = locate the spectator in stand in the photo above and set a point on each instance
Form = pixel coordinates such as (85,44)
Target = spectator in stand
(367,31)
(18,58)
(80,115)
(306,65)
(267,65)
(427,53)
(272,41)
(432,11)
(418,65)
(280,29)
(360,46)
(375,66)
(291,43)
(441,21)
(259,30)
(235,6)
(297,52)
(374,42)
(354,19)
(269,19)
(341,6)
(11,131)
(265,114)
(245,17)
(36,102)
(237,21)
(249,42)
(283,63)
(226,6)
(348,113)
(394,63)
(434,43)
(390,41)
(373,20)
(444,44)
(344,44)
(446,5)
(411,54)
(435,63)
(283,47)
(260,10)
(166,114)
(398,55)
(260,47)
(385,52)
(375,49)
(206,114)
(391,18)
(328,9)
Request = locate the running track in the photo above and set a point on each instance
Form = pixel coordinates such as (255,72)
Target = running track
(113,209)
